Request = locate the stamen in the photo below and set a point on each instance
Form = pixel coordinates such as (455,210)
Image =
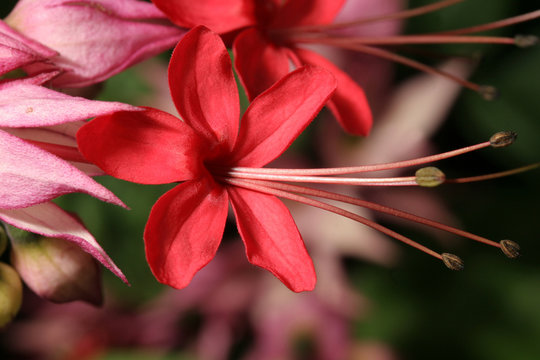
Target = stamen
(503,139)
(372,206)
(452,261)
(494,25)
(409,13)
(429,176)
(523,41)
(68,153)
(376,167)
(510,248)
(321,205)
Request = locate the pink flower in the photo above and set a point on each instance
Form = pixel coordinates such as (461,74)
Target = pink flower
(94,39)
(152,147)
(37,128)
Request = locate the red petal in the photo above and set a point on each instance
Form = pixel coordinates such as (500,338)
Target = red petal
(218,15)
(147,147)
(279,115)
(307,12)
(258,62)
(349,104)
(184,230)
(271,238)
(203,86)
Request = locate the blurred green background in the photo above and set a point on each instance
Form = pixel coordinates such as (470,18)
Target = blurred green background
(491,310)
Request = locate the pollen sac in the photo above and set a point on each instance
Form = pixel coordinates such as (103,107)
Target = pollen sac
(453,262)
(523,41)
(488,92)
(502,139)
(510,248)
(429,176)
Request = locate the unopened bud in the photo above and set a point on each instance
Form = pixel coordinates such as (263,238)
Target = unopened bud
(429,176)
(10,294)
(452,261)
(502,139)
(510,248)
(523,41)
(57,270)
(488,92)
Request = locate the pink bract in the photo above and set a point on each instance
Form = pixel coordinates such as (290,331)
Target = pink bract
(94,39)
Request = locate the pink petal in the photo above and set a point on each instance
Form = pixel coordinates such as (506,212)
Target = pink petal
(50,220)
(279,115)
(30,175)
(307,12)
(95,39)
(220,16)
(147,147)
(258,62)
(348,104)
(203,87)
(184,230)
(271,238)
(26,105)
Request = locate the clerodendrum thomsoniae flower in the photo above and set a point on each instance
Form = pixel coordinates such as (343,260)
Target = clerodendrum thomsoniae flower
(217,159)
(269,36)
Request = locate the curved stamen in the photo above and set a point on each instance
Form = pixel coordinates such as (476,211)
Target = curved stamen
(321,205)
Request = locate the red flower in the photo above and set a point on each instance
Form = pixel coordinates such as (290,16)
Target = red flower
(152,147)
(264,50)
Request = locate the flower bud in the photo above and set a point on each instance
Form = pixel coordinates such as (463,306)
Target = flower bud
(3,239)
(56,269)
(94,39)
(10,294)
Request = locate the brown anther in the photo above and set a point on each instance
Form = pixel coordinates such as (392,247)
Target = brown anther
(510,248)
(523,41)
(429,176)
(453,262)
(488,92)
(502,139)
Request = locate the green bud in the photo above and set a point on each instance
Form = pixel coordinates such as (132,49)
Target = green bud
(10,294)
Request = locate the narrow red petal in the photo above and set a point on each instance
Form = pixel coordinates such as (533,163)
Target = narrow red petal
(307,12)
(184,230)
(147,147)
(272,239)
(279,115)
(349,103)
(258,62)
(218,15)
(203,86)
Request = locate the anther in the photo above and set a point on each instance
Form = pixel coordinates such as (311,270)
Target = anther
(488,92)
(510,248)
(523,41)
(502,139)
(429,176)
(453,262)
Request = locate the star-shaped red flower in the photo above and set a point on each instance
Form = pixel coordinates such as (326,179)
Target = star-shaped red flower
(265,45)
(186,224)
